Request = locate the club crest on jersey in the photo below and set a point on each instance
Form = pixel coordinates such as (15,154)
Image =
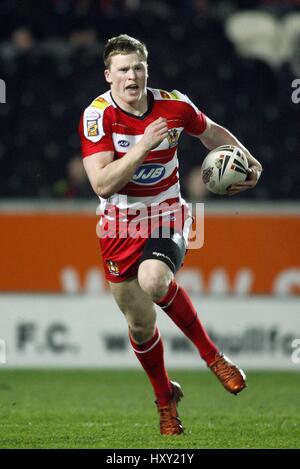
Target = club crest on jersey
(149,174)
(173,136)
(92,128)
(113,268)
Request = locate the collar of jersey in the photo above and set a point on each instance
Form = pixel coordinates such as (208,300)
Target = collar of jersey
(150,100)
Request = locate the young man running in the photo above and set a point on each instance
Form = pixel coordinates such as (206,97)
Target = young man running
(129,140)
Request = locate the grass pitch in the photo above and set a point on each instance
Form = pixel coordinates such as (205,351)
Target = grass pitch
(115,409)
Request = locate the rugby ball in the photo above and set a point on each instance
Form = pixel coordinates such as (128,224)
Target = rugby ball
(222,167)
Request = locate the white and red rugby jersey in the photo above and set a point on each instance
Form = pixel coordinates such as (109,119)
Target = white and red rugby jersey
(105,127)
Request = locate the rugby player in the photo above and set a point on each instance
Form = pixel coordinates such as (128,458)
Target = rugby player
(129,138)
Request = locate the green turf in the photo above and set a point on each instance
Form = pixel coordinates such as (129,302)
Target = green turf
(115,409)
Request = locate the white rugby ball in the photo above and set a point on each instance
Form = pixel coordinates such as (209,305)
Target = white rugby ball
(222,167)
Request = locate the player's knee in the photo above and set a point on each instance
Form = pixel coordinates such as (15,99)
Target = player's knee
(141,332)
(154,285)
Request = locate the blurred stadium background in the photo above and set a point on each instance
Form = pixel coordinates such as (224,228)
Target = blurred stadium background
(238,61)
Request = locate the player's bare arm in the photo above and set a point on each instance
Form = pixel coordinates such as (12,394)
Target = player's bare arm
(107,176)
(214,136)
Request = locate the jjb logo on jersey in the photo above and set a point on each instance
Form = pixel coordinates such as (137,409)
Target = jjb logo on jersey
(149,174)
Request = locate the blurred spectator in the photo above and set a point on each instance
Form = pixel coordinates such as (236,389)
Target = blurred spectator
(83,38)
(76,183)
(202,7)
(22,39)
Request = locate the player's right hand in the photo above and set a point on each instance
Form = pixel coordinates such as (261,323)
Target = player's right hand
(155,133)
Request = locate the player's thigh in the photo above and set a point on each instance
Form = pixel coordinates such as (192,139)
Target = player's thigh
(134,303)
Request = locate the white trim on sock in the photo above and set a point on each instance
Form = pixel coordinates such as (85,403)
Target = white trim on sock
(150,348)
(171,301)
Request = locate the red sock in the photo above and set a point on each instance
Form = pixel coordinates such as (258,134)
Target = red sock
(179,307)
(151,356)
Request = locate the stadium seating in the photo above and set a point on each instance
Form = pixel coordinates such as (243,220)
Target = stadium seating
(256,34)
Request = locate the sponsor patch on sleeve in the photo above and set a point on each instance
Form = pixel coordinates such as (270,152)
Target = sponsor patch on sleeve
(92,128)
(92,125)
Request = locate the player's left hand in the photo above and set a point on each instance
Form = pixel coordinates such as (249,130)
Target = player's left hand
(249,183)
